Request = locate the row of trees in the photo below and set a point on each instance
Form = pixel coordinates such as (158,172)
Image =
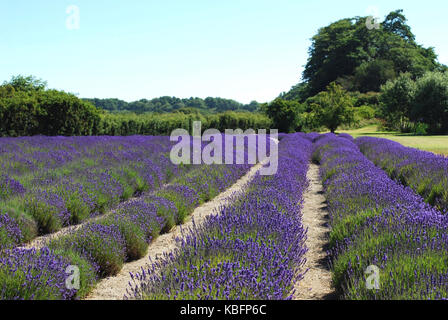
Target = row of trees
(330,109)
(27,108)
(171,104)
(419,106)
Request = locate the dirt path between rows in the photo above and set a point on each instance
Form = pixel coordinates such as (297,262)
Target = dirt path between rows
(114,288)
(316,284)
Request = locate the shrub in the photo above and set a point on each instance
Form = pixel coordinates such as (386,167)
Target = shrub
(49,211)
(88,271)
(33,275)
(365,112)
(104,189)
(134,236)
(78,203)
(184,198)
(26,224)
(144,215)
(9,187)
(420,129)
(165,209)
(333,108)
(104,245)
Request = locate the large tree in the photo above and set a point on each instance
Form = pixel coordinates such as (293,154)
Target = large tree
(285,115)
(369,76)
(395,23)
(346,51)
(396,101)
(431,102)
(333,108)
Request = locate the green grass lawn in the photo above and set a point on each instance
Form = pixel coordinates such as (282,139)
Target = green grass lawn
(436,144)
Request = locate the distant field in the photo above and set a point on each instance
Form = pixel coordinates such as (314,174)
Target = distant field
(436,144)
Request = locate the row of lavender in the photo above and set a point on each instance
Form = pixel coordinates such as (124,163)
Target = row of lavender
(380,227)
(47,183)
(425,172)
(252,248)
(99,249)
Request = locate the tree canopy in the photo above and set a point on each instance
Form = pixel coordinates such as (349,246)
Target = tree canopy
(382,70)
(284,114)
(333,107)
(361,59)
(407,104)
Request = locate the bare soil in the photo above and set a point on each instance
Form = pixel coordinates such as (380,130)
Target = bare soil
(316,284)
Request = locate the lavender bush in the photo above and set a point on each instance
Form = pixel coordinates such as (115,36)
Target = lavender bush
(10,234)
(425,172)
(104,244)
(26,274)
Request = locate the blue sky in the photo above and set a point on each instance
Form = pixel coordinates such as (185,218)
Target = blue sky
(243,50)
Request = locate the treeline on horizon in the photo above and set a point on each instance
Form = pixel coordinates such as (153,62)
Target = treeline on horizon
(165,104)
(354,76)
(28,108)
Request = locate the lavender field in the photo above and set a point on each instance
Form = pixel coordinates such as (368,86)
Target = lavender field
(223,159)
(97,205)
(109,196)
